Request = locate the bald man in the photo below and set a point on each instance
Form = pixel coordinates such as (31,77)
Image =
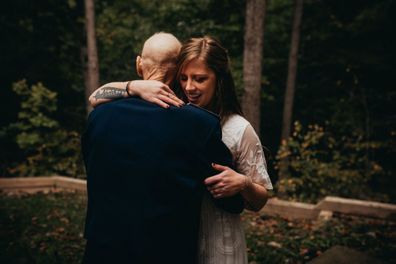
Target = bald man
(145,169)
(157,64)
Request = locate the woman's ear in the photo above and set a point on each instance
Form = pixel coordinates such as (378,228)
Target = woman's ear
(139,66)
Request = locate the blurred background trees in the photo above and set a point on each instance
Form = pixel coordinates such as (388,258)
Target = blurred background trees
(343,142)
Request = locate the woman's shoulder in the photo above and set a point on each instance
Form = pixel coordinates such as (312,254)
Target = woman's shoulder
(233,130)
(236,122)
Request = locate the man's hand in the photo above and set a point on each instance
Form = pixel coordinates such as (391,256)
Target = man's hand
(225,184)
(155,92)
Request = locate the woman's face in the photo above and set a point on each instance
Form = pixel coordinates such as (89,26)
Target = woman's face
(198,83)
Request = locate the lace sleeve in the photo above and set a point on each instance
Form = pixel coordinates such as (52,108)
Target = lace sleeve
(251,161)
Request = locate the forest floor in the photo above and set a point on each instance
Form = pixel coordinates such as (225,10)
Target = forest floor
(48,228)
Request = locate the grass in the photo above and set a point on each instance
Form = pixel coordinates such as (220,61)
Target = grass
(47,228)
(42,228)
(277,240)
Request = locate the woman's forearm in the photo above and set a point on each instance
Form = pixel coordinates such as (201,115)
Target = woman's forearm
(150,90)
(229,182)
(107,93)
(255,196)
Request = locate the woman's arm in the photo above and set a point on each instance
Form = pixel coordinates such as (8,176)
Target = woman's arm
(149,90)
(229,182)
(108,92)
(251,180)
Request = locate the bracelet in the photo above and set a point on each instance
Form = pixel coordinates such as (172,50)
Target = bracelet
(247,182)
(126,88)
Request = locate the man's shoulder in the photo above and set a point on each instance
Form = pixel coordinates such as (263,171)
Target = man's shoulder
(202,111)
(115,107)
(129,102)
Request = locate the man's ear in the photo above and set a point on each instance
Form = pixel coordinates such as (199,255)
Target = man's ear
(139,66)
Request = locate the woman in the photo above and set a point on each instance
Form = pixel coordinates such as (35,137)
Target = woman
(205,78)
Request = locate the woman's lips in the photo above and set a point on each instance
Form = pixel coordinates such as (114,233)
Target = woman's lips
(193,97)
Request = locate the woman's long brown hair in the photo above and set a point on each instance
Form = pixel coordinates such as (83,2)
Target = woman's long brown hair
(209,50)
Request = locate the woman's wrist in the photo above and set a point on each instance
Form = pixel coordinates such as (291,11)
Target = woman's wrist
(127,89)
(130,89)
(246,184)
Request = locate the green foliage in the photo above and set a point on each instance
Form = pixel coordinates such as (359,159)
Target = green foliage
(122,27)
(345,69)
(48,149)
(320,164)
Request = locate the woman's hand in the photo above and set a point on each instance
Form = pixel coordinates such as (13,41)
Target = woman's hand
(155,92)
(227,183)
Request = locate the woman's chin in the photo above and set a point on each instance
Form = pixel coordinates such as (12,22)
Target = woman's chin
(194,101)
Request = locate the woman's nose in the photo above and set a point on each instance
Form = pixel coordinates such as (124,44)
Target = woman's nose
(189,85)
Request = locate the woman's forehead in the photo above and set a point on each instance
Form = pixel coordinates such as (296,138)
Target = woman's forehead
(197,64)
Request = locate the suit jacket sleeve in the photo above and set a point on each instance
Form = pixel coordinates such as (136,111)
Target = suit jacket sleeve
(220,154)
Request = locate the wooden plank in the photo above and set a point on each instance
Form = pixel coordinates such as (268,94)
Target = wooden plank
(358,207)
(70,183)
(290,210)
(28,182)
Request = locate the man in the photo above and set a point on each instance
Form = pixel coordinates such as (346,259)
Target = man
(145,170)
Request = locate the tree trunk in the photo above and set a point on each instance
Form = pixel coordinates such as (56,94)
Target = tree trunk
(92,67)
(252,61)
(291,75)
(290,87)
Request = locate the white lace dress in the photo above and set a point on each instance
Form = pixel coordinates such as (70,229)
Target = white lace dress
(221,237)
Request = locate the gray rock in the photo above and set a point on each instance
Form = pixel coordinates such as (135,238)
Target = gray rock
(344,255)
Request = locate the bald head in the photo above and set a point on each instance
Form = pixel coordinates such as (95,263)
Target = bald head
(161,48)
(159,56)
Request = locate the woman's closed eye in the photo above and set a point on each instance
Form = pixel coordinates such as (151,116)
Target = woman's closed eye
(183,78)
(201,79)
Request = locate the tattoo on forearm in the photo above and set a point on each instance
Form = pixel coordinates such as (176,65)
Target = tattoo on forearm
(110,93)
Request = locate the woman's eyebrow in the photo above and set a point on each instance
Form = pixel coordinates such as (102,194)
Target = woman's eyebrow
(200,75)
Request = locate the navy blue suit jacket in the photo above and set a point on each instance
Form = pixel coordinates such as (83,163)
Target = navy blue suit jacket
(145,169)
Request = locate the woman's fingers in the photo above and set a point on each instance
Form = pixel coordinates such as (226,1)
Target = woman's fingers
(159,102)
(166,88)
(219,167)
(221,192)
(213,180)
(162,100)
(167,91)
(171,99)
(225,184)
(216,186)
(155,91)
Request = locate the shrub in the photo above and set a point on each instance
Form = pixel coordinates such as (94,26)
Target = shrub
(47,148)
(321,165)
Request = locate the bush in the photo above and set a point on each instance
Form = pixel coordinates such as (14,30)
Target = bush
(47,148)
(321,165)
